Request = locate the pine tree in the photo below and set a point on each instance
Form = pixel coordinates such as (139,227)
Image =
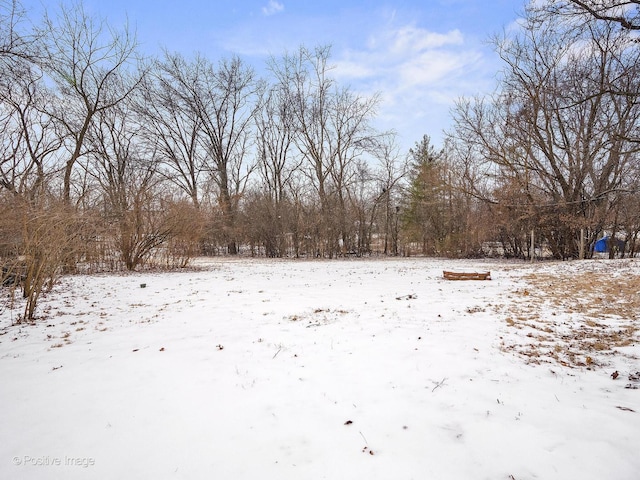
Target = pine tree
(422,219)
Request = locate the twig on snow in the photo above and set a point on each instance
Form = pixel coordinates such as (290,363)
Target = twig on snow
(411,296)
(439,384)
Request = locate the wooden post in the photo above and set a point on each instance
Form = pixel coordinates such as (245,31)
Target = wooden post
(533,245)
(581,246)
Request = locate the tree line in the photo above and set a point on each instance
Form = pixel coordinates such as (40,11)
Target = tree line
(555,149)
(114,160)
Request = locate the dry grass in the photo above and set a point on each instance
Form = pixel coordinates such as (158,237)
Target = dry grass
(577,320)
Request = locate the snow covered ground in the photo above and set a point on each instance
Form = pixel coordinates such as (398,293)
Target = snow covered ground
(343,369)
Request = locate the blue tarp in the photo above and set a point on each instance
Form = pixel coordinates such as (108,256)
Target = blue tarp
(602,245)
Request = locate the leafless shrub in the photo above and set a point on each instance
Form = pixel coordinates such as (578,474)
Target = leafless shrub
(186,225)
(38,239)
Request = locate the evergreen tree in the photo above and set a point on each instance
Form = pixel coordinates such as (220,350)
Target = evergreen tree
(423,215)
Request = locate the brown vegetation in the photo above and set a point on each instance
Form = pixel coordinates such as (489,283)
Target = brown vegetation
(603,316)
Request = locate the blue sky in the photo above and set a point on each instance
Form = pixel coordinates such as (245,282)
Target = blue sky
(420,55)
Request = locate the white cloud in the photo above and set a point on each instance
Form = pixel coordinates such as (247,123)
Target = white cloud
(408,57)
(272,8)
(434,68)
(412,39)
(420,74)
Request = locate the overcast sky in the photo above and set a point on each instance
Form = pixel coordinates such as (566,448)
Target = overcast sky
(419,54)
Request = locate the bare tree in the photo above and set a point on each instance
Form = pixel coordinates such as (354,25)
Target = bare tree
(30,253)
(222,102)
(275,139)
(172,125)
(227,101)
(87,61)
(625,13)
(277,164)
(622,18)
(27,132)
(332,132)
(16,44)
(31,141)
(128,179)
(375,198)
(555,129)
